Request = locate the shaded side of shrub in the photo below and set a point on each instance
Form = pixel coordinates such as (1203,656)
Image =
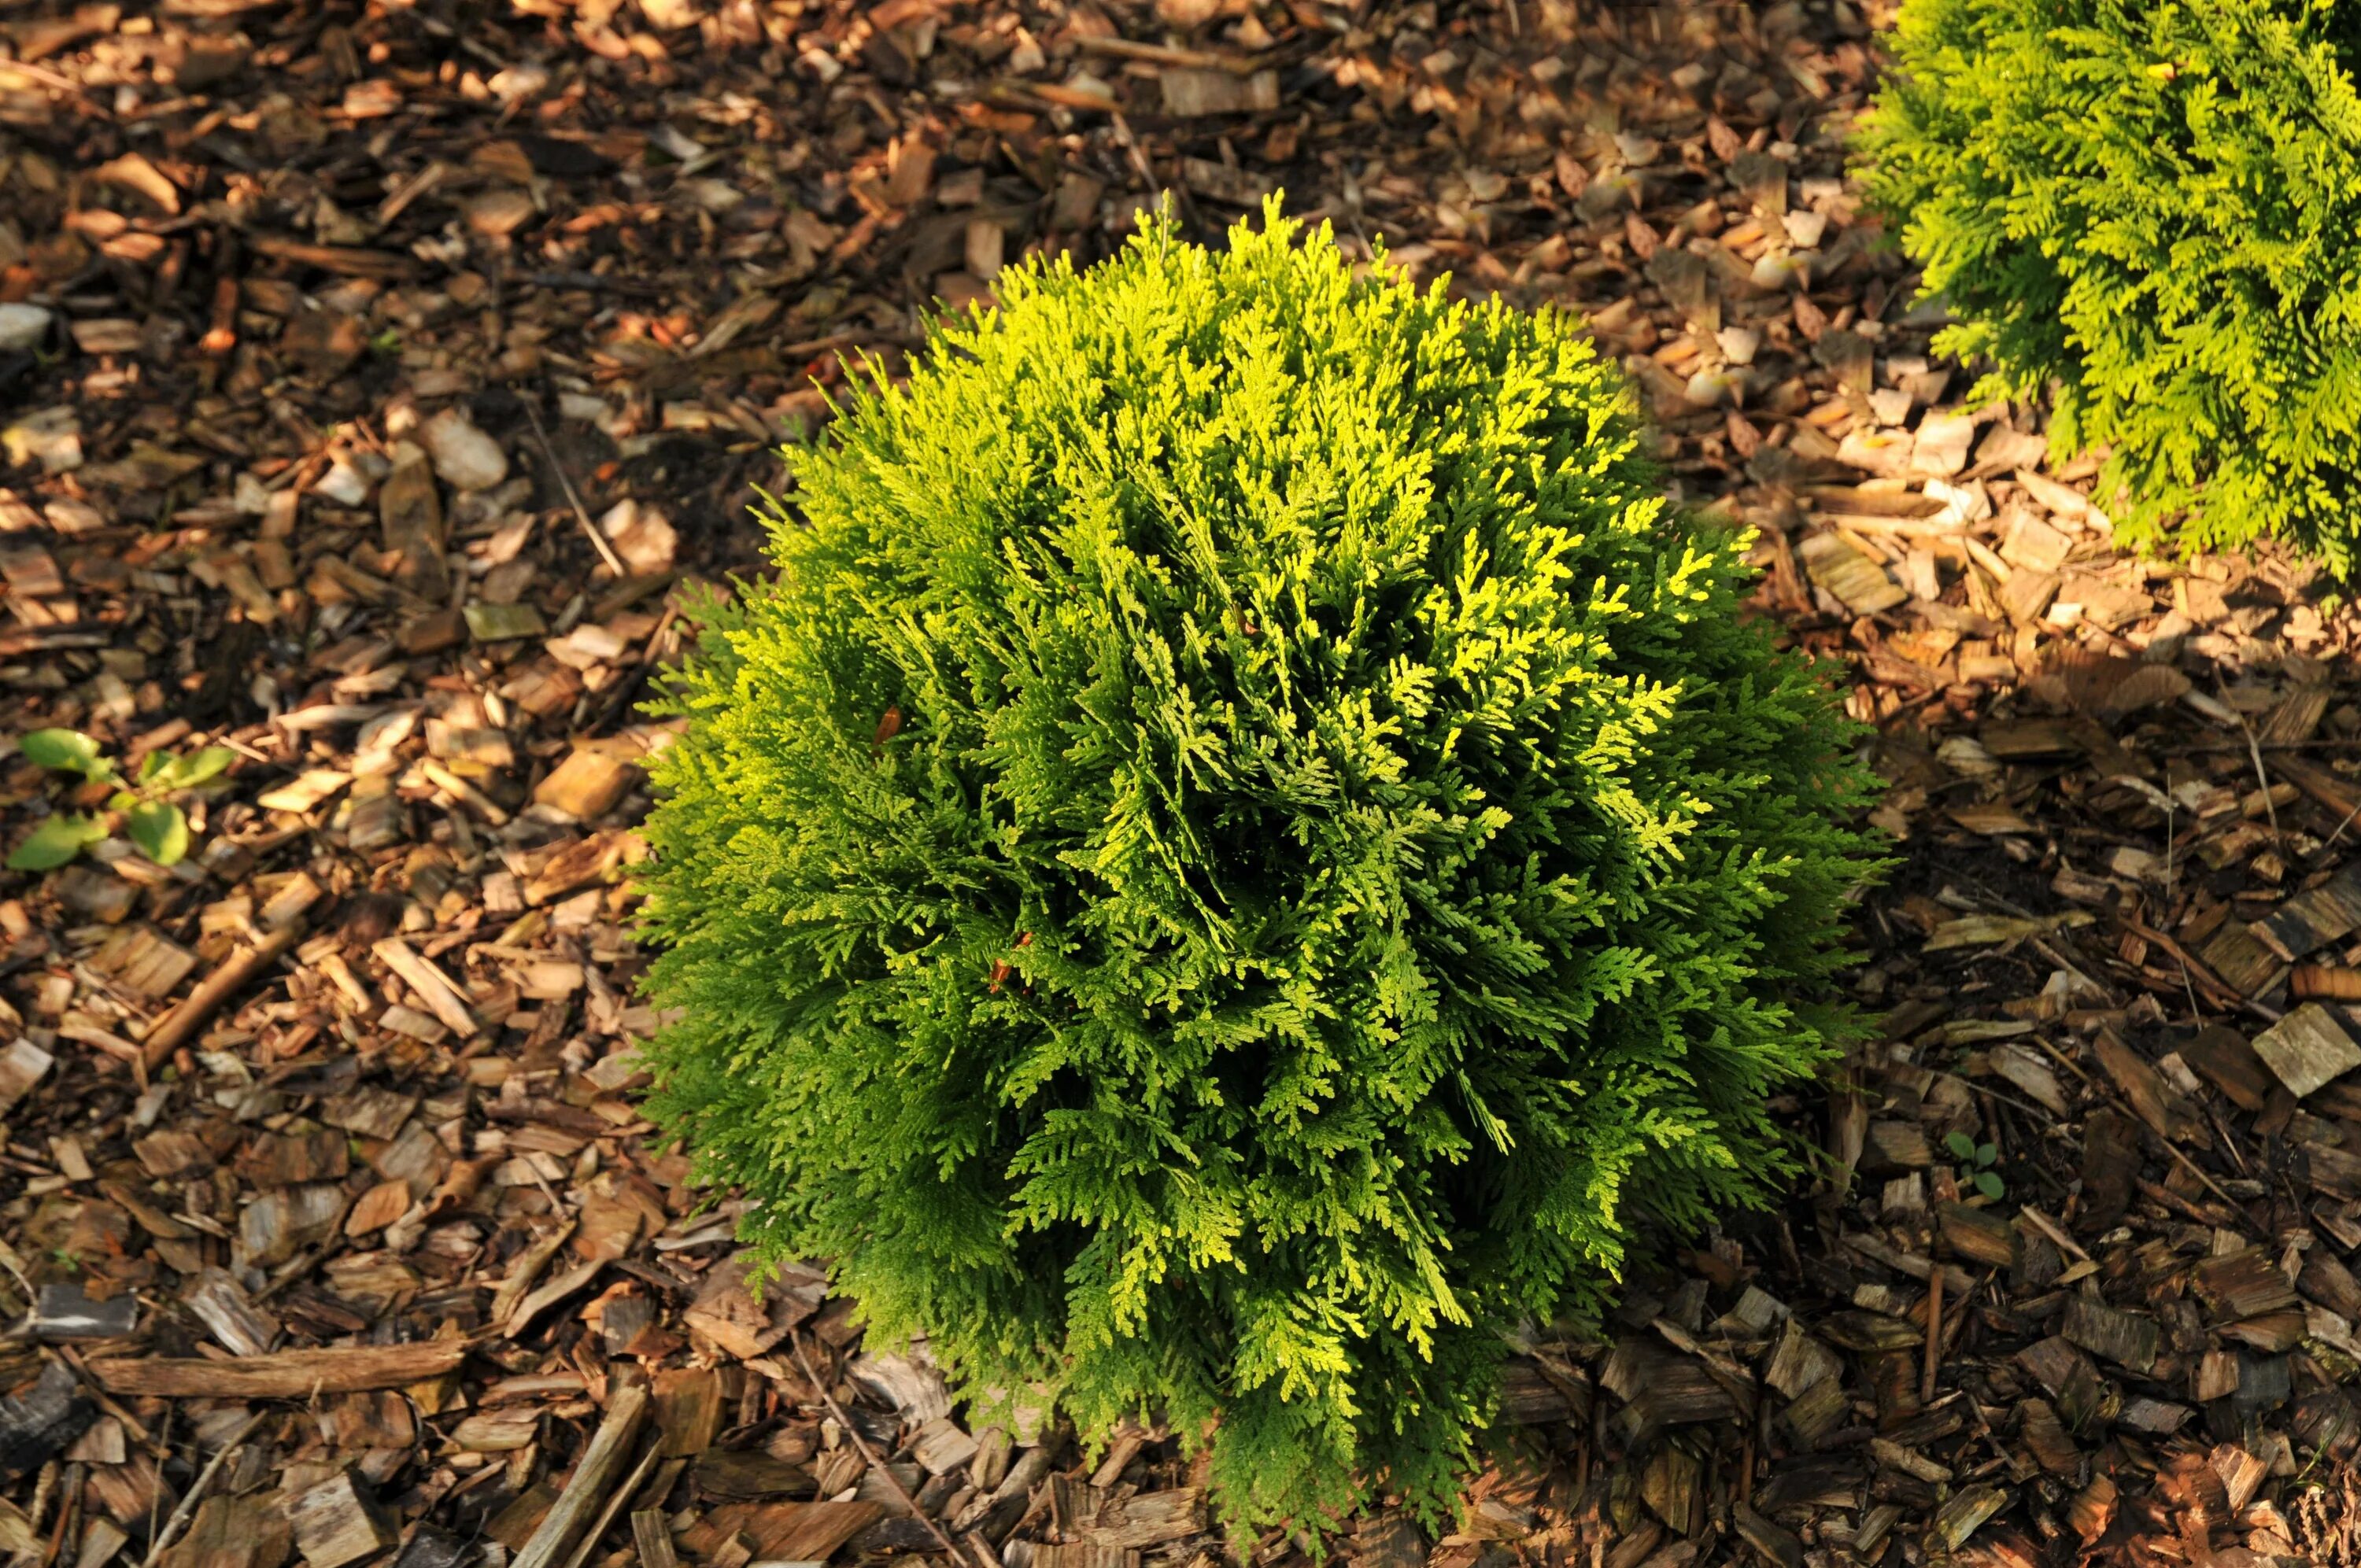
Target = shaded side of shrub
(2157,210)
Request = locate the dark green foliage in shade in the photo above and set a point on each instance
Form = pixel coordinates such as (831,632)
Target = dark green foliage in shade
(1245,847)
(2156,208)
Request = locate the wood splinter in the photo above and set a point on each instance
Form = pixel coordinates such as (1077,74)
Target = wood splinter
(235,973)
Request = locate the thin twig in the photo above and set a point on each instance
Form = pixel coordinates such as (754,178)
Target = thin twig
(241,968)
(2062,1059)
(1934,1334)
(204,1480)
(2229,1144)
(8,1260)
(2054,1230)
(627,687)
(2027,1106)
(2225,995)
(2042,944)
(106,1402)
(1177,194)
(43,1484)
(156,1498)
(2171,847)
(868,1458)
(2262,774)
(2321,857)
(581,513)
(594,281)
(43,77)
(2187,1164)
(1139,158)
(69,1514)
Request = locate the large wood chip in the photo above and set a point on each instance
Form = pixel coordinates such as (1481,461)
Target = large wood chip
(1195,93)
(337,1522)
(441,998)
(2306,1048)
(2128,1339)
(1859,584)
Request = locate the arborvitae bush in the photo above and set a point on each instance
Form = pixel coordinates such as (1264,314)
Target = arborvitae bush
(1243,848)
(2156,208)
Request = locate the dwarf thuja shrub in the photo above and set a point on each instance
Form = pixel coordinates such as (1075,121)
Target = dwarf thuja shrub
(2154,209)
(1243,850)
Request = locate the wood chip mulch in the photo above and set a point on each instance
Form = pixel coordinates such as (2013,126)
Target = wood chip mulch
(375,378)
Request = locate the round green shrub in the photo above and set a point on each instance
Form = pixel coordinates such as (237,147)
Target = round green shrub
(2156,210)
(1245,847)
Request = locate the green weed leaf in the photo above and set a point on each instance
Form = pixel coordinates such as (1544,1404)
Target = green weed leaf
(58,839)
(196,768)
(68,750)
(160,830)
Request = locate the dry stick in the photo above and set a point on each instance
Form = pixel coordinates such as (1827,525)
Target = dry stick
(581,513)
(156,1499)
(2062,962)
(2322,856)
(2262,774)
(1139,158)
(2229,1145)
(630,683)
(100,1395)
(2054,1230)
(594,281)
(47,78)
(282,1375)
(2194,1169)
(43,1484)
(1177,192)
(2226,996)
(1934,1334)
(625,1408)
(868,1458)
(204,1479)
(234,974)
(69,1514)
(2026,1106)
(2069,1063)
(623,1494)
(9,1261)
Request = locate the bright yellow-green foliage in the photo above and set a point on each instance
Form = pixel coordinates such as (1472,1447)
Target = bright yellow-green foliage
(1244,849)
(2157,208)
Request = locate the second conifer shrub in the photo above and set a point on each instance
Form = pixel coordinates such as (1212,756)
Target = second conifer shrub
(1244,849)
(2154,209)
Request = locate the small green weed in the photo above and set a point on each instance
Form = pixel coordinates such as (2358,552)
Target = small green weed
(1976,1165)
(145,803)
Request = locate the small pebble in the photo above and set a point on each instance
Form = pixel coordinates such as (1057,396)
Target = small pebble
(23,327)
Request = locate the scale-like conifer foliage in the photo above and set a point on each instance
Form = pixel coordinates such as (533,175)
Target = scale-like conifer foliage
(1244,849)
(2157,209)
